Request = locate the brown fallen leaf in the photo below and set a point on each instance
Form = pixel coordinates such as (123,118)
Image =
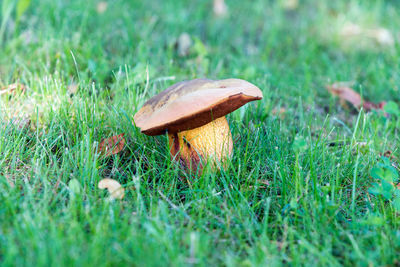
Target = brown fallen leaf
(290,4)
(114,188)
(281,112)
(101,7)
(389,154)
(347,94)
(112,145)
(370,106)
(220,8)
(12,88)
(350,30)
(380,35)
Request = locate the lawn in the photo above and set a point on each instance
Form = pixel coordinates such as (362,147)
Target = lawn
(311,181)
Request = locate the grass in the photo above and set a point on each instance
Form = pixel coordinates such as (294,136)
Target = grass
(296,190)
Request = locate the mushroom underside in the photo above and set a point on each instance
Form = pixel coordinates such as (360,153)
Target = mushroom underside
(155,124)
(194,148)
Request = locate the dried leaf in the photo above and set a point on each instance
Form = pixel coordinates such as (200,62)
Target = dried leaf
(290,4)
(101,7)
(370,106)
(281,112)
(381,35)
(220,8)
(389,154)
(350,30)
(112,145)
(346,93)
(12,88)
(114,188)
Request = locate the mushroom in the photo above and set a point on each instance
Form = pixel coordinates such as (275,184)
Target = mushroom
(193,114)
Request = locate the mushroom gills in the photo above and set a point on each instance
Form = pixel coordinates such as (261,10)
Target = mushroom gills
(193,148)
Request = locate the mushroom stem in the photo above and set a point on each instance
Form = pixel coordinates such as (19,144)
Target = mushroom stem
(193,148)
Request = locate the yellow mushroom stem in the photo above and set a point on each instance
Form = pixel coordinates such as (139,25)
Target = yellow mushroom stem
(193,148)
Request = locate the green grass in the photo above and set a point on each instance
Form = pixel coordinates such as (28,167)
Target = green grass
(316,209)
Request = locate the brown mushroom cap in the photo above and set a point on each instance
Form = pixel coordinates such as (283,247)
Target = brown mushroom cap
(191,104)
